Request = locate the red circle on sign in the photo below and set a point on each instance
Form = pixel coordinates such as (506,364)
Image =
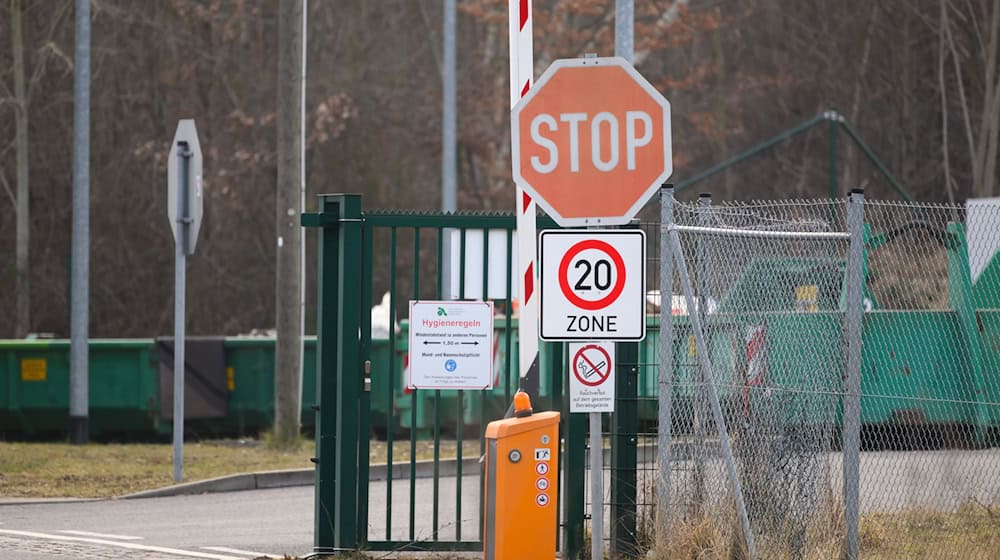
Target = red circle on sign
(542,499)
(601,377)
(616,290)
(542,468)
(542,484)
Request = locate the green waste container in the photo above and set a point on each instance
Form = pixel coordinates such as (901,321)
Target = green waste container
(34,388)
(250,382)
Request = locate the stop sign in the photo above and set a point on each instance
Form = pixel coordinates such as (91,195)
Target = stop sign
(591,141)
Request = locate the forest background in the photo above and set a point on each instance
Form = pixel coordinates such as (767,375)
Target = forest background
(918,80)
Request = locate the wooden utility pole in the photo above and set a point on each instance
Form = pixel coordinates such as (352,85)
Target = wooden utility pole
(288,354)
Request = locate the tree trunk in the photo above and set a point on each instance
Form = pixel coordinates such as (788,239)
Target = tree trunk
(23,321)
(991,109)
(288,353)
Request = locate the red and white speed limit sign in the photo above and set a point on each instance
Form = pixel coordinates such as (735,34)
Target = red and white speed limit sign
(593,284)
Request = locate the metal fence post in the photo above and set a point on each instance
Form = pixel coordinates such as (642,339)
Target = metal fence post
(701,402)
(596,439)
(349,374)
(364,397)
(574,461)
(833,119)
(960,299)
(852,389)
(328,317)
(624,425)
(666,359)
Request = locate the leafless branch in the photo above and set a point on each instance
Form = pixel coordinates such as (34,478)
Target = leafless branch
(48,49)
(985,153)
(943,91)
(6,188)
(962,98)
(431,35)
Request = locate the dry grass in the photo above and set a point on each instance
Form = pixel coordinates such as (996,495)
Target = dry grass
(43,470)
(971,532)
(49,470)
(696,539)
(910,273)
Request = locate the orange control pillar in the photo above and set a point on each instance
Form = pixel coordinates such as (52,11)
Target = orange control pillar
(522,482)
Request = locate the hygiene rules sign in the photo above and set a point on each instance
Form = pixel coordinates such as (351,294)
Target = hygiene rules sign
(451,344)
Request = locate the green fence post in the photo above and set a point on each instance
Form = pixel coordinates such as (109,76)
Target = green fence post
(349,372)
(574,460)
(364,416)
(557,392)
(961,301)
(326,359)
(833,118)
(554,370)
(624,428)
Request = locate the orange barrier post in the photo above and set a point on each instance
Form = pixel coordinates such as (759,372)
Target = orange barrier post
(522,482)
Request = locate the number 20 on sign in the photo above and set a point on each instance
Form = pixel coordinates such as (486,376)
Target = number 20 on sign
(592,285)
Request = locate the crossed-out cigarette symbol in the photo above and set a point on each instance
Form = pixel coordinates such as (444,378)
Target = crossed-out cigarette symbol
(589,371)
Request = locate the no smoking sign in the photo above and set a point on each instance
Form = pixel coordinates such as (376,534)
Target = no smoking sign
(592,377)
(593,285)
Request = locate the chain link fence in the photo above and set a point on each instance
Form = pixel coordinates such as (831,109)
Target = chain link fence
(930,393)
(768,284)
(752,445)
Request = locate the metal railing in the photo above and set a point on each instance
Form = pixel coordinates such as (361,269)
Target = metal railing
(432,498)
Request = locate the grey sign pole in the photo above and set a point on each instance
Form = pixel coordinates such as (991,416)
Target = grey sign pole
(624,28)
(180,262)
(597,457)
(623,48)
(79,404)
(184,203)
(449,197)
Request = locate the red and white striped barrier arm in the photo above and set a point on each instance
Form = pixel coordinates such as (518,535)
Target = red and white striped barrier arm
(521,79)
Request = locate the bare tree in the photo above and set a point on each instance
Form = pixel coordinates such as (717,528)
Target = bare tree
(735,73)
(989,127)
(981,46)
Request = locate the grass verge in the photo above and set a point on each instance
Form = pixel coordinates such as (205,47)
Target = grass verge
(50,470)
(970,532)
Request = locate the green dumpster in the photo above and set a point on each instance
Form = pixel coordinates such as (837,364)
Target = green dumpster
(34,388)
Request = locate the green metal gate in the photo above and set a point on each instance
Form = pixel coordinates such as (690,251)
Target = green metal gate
(366,499)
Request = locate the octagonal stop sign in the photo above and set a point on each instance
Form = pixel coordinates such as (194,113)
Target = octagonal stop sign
(591,141)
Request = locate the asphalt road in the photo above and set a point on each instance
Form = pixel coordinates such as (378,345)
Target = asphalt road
(253,523)
(225,526)
(256,522)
